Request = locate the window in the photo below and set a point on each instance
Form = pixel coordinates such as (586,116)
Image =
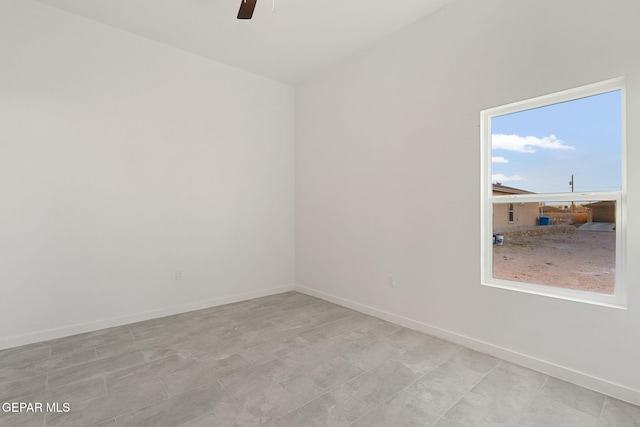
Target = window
(554,190)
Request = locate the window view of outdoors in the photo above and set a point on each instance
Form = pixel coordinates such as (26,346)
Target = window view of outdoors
(574,248)
(569,147)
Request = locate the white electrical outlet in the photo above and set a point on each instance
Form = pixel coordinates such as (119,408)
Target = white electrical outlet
(392,281)
(178,275)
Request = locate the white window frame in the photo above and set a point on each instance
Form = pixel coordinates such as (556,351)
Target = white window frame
(619,297)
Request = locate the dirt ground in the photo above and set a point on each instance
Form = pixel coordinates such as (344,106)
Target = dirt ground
(583,260)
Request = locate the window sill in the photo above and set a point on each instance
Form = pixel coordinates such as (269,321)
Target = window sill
(585,297)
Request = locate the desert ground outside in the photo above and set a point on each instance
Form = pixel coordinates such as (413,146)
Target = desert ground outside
(559,256)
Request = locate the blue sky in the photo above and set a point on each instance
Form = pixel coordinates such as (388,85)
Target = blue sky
(538,150)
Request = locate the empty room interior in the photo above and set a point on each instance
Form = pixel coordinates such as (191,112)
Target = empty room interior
(325,215)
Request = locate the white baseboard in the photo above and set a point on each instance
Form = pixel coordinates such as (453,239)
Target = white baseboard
(50,334)
(564,373)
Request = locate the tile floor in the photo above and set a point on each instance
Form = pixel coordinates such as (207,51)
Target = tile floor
(285,360)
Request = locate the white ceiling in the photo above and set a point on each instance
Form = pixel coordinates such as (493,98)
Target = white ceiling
(296,39)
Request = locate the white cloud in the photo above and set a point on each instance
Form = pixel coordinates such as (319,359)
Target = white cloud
(499,177)
(499,160)
(527,144)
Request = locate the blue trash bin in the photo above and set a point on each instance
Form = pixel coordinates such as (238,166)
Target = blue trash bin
(545,220)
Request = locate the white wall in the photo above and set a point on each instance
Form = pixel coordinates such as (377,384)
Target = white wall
(123,160)
(388,169)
